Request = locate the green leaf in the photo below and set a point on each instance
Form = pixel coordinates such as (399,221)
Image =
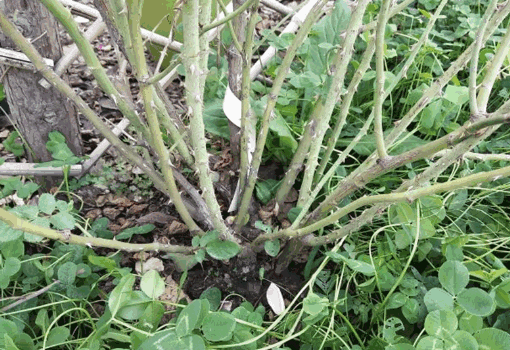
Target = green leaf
(256,318)
(476,301)
(64,206)
(396,300)
(57,335)
(361,266)
(99,228)
(59,150)
(104,262)
(406,143)
(27,189)
(272,248)
(222,250)
(192,342)
(218,326)
(280,127)
(470,323)
(63,220)
(134,306)
(56,136)
(213,295)
(209,237)
(457,95)
(429,114)
(355,265)
(81,292)
(314,304)
(12,266)
(265,190)
(9,343)
(152,315)
(462,340)
(411,310)
(438,299)
(441,323)
(47,203)
(402,213)
(306,80)
(453,252)
(430,343)
(12,144)
(190,318)
(458,200)
(327,30)
(293,213)
(139,230)
(9,234)
(501,297)
(215,120)
(67,273)
(4,279)
(152,284)
(432,208)
(261,226)
(7,326)
(200,256)
(454,276)
(400,346)
(42,320)
(120,294)
(14,248)
(243,335)
(83,270)
(278,42)
(165,340)
(492,339)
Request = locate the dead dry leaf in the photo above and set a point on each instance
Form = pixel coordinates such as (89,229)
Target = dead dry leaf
(111,213)
(136,209)
(275,299)
(177,227)
(155,218)
(93,214)
(172,294)
(151,264)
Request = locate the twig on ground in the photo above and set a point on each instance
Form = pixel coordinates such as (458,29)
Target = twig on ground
(29,296)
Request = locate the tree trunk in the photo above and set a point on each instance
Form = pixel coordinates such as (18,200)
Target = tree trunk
(35,110)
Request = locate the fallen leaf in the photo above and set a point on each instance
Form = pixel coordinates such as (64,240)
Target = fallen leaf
(101,201)
(93,214)
(155,218)
(177,227)
(111,213)
(151,264)
(275,299)
(136,209)
(172,294)
(121,201)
